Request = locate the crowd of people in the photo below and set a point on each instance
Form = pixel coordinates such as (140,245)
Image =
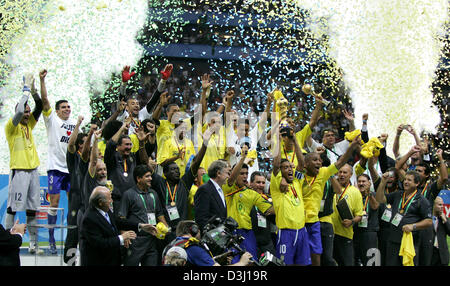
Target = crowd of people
(143,185)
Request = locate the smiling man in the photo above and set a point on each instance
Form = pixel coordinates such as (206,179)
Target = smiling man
(24,188)
(59,127)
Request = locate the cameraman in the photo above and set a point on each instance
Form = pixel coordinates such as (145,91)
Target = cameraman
(198,254)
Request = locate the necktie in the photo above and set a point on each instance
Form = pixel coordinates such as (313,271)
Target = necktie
(221,195)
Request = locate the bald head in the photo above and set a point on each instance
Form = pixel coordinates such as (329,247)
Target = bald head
(344,175)
(438,206)
(100,198)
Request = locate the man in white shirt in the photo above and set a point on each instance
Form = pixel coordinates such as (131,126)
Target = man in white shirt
(59,127)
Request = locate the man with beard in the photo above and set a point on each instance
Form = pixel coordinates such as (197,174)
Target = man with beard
(120,160)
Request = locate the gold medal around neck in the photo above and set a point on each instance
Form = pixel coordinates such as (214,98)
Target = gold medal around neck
(172,204)
(401,211)
(125,174)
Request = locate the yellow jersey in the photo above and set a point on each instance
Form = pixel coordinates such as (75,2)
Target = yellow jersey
(312,189)
(240,202)
(354,201)
(170,149)
(301,138)
(22,150)
(289,206)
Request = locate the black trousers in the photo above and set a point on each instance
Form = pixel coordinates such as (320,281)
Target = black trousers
(343,251)
(327,235)
(425,246)
(71,242)
(363,241)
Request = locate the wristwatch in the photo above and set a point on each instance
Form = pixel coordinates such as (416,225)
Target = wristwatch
(414,226)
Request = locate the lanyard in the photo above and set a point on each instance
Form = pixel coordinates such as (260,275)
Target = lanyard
(145,205)
(293,191)
(287,157)
(312,181)
(342,194)
(425,189)
(408,202)
(137,123)
(26,131)
(172,195)
(125,166)
(327,184)
(237,191)
(366,205)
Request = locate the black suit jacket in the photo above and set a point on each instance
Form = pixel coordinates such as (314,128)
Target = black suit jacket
(207,203)
(442,231)
(101,243)
(9,248)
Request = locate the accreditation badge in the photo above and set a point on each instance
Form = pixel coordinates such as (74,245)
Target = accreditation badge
(261,220)
(397,219)
(173,212)
(322,205)
(151,218)
(364,221)
(386,215)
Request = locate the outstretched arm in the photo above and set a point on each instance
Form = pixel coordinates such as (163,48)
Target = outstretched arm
(44,97)
(71,145)
(346,156)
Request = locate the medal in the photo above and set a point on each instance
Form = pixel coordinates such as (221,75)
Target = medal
(172,204)
(125,174)
(388,206)
(401,211)
(364,213)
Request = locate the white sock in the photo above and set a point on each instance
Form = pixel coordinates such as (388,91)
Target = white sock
(9,221)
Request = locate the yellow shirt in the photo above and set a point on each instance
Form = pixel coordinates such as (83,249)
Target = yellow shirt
(192,192)
(355,203)
(22,150)
(312,190)
(301,138)
(241,202)
(216,148)
(170,149)
(289,210)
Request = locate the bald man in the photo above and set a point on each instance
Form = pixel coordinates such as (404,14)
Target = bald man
(100,235)
(441,228)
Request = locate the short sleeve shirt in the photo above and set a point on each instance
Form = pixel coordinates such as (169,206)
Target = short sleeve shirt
(354,201)
(58,133)
(289,208)
(240,203)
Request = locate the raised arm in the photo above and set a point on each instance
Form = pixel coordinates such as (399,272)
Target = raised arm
(206,90)
(165,74)
(396,144)
(45,103)
(346,156)
(443,173)
(71,145)
(87,144)
(351,120)
(163,100)
(404,159)
(316,112)
(94,154)
(201,153)
(277,149)
(380,197)
(28,83)
(299,155)
(237,168)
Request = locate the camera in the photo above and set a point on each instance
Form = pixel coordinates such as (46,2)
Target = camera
(245,141)
(218,236)
(286,132)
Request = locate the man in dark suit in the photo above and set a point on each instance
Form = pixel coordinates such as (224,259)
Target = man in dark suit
(10,242)
(209,199)
(99,232)
(441,228)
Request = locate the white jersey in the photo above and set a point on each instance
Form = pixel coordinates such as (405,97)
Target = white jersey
(234,141)
(58,134)
(143,114)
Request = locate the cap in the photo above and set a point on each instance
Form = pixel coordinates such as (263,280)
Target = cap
(180,251)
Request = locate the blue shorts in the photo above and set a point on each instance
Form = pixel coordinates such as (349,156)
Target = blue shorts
(293,246)
(249,244)
(315,240)
(57,181)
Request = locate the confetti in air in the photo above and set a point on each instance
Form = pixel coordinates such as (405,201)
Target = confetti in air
(388,51)
(80,43)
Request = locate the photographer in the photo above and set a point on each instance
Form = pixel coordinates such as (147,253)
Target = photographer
(198,254)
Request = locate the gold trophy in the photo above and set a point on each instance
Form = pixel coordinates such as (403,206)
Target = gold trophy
(308,89)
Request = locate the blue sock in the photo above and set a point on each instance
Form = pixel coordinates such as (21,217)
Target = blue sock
(51,231)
